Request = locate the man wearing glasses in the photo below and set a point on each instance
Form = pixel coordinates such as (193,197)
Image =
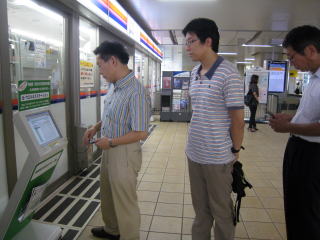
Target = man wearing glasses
(215,133)
(125,122)
(301,165)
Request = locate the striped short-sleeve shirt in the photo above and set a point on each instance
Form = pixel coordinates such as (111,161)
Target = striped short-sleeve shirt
(212,95)
(126,108)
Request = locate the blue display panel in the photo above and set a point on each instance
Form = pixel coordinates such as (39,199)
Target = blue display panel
(277,76)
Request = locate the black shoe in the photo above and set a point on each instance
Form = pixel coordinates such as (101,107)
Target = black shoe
(101,233)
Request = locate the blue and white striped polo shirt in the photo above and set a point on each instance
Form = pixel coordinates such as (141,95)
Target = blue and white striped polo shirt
(212,95)
(126,108)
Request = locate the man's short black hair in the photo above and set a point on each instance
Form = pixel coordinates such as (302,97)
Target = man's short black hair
(107,49)
(204,28)
(301,37)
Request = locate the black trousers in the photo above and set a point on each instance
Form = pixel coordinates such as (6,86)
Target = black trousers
(301,185)
(253,110)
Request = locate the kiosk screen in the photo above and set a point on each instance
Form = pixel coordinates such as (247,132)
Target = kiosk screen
(43,127)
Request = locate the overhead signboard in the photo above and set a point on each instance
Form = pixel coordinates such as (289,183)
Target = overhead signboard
(113,13)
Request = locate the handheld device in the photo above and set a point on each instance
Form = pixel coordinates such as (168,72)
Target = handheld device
(92,140)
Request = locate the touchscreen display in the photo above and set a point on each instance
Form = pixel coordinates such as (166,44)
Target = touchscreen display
(43,127)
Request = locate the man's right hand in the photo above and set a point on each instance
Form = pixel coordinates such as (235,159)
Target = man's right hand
(89,134)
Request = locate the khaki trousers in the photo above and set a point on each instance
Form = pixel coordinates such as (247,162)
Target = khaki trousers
(211,187)
(118,183)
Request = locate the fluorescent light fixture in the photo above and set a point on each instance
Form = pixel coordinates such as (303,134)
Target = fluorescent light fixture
(228,53)
(249,59)
(38,8)
(243,62)
(254,45)
(37,37)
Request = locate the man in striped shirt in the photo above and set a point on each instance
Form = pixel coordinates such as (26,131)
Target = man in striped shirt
(215,132)
(124,123)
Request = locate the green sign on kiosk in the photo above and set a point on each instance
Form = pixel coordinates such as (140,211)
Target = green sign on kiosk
(33,94)
(45,144)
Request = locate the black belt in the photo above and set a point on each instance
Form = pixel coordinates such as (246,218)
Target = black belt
(299,139)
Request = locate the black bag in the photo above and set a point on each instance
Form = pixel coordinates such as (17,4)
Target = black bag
(248,98)
(238,185)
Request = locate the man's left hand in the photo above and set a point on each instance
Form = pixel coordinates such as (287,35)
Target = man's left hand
(279,125)
(103,143)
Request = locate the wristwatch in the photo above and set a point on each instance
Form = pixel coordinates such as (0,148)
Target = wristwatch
(233,150)
(110,144)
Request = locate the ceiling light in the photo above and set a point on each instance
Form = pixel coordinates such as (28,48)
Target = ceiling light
(227,53)
(42,38)
(243,62)
(253,45)
(38,8)
(249,59)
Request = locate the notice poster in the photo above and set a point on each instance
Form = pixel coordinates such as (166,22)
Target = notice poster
(40,54)
(277,76)
(166,82)
(86,74)
(176,100)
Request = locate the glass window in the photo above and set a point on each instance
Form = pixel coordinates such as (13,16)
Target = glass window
(36,38)
(36,51)
(88,39)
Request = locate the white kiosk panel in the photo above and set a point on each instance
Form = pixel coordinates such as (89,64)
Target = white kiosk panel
(43,127)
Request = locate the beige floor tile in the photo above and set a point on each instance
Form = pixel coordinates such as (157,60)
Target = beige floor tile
(266,192)
(175,172)
(96,219)
(143,235)
(157,164)
(149,186)
(187,225)
(188,211)
(173,179)
(168,210)
(281,227)
(147,196)
(163,236)
(145,222)
(166,224)
(172,187)
(168,197)
(187,198)
(147,208)
(151,170)
(276,215)
(258,230)
(254,214)
(251,202)
(152,178)
(276,203)
(241,231)
(258,182)
(186,237)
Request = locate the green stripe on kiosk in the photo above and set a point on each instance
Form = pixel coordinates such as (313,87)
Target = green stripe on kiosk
(45,145)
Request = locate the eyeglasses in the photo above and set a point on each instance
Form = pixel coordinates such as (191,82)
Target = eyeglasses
(189,42)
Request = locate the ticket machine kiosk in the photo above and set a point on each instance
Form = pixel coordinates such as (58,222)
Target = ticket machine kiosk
(45,144)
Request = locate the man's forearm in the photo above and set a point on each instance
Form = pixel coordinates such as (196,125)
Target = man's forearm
(237,127)
(130,137)
(237,133)
(309,129)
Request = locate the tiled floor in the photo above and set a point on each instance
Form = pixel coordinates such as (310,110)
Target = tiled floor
(164,190)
